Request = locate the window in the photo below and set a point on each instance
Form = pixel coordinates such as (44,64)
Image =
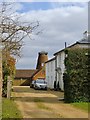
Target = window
(42,64)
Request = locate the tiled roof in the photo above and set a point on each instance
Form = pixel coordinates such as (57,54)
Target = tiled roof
(24,73)
(38,70)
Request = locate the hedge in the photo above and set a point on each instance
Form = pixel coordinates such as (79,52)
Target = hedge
(76,76)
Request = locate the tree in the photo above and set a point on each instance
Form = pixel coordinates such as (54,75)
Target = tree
(12,32)
(8,65)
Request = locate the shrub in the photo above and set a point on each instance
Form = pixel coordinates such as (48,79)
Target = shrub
(76,82)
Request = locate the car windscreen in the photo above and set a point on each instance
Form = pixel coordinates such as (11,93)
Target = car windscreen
(40,81)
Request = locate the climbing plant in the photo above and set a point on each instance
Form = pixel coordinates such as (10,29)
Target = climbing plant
(8,67)
(76,82)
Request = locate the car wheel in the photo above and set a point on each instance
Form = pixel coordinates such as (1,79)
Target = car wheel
(45,88)
(35,88)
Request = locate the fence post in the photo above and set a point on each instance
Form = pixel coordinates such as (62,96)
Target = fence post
(9,87)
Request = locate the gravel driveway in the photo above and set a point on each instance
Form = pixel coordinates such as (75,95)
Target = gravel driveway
(44,104)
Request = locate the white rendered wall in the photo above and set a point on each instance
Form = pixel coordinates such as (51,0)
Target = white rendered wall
(50,74)
(60,64)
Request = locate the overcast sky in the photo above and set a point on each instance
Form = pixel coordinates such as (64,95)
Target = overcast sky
(60,22)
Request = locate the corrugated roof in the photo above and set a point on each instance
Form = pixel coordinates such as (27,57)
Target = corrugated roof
(24,73)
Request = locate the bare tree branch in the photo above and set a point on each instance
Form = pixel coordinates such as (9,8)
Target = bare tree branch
(13,31)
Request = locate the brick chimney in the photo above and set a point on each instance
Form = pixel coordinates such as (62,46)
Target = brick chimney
(42,58)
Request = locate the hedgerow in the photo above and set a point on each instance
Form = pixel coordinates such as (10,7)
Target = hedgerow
(76,76)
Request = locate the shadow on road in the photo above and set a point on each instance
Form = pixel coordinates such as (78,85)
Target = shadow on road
(27,94)
(38,99)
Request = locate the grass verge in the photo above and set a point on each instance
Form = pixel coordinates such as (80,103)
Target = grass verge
(82,105)
(9,109)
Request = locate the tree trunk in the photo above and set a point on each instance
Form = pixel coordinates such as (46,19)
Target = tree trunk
(9,87)
(0,84)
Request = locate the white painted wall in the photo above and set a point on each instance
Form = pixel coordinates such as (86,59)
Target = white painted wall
(55,74)
(50,74)
(84,45)
(60,68)
(60,57)
(81,46)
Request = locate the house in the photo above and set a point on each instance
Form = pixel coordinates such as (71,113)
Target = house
(60,57)
(59,63)
(25,77)
(50,73)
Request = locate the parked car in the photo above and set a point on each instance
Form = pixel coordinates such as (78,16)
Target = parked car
(40,84)
(32,84)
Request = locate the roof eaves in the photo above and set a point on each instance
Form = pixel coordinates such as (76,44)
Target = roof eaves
(65,48)
(78,42)
(50,60)
(35,72)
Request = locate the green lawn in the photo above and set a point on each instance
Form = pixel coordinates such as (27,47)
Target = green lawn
(9,109)
(82,105)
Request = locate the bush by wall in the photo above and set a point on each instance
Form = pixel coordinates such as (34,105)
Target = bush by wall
(76,82)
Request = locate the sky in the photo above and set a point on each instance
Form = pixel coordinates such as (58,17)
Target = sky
(60,22)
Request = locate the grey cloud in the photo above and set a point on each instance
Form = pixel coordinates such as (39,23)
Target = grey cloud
(59,25)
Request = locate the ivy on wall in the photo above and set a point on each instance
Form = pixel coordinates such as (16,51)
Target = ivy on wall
(76,82)
(8,65)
